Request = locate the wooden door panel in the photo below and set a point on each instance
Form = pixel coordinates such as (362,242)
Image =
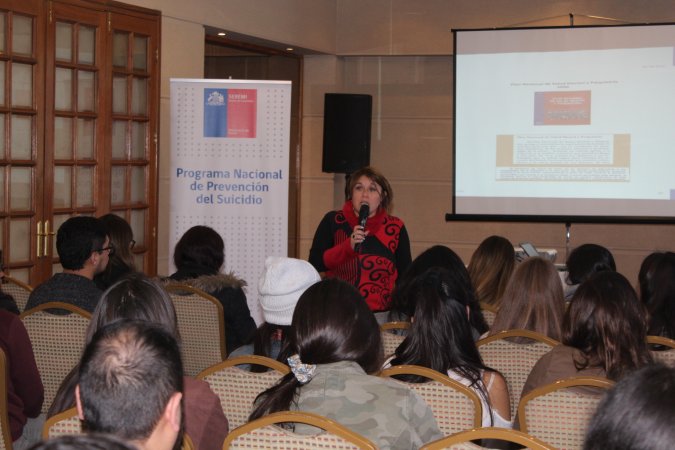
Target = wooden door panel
(60,140)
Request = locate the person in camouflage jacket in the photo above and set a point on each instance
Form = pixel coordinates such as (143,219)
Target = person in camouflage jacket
(337,346)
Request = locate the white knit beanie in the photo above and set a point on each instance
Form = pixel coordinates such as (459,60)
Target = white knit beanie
(280,286)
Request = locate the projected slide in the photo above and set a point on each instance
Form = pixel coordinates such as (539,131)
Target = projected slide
(565,122)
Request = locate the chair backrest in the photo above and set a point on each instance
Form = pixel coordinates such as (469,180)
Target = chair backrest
(19,290)
(63,423)
(263,434)
(238,388)
(455,406)
(201,325)
(514,360)
(58,342)
(462,440)
(667,355)
(393,333)
(68,422)
(395,326)
(558,414)
(390,342)
(489,313)
(5,432)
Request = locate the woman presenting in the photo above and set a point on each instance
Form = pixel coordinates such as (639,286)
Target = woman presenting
(370,257)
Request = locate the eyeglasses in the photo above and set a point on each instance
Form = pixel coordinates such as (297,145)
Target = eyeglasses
(110,249)
(132,243)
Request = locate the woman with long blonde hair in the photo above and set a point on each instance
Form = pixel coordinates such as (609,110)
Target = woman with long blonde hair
(533,300)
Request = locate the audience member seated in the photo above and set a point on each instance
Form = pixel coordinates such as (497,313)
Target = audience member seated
(437,256)
(136,297)
(24,386)
(122,259)
(93,441)
(337,347)
(637,413)
(84,249)
(585,261)
(131,384)
(6,301)
(490,269)
(657,293)
(199,256)
(280,286)
(604,334)
(440,338)
(533,300)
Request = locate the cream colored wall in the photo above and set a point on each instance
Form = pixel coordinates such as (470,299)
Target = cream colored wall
(182,56)
(398,51)
(304,23)
(377,42)
(422,27)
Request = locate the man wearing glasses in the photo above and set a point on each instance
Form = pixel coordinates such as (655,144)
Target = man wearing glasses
(84,248)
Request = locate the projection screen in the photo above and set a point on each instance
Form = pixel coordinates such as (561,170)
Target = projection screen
(571,124)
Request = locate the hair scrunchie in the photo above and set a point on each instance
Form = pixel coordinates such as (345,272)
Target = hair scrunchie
(303,372)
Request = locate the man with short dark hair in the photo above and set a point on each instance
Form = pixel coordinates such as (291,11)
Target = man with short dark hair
(84,249)
(131,384)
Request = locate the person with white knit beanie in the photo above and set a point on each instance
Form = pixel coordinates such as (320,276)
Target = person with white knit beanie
(281,284)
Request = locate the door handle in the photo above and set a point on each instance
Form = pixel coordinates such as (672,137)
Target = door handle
(40,234)
(46,235)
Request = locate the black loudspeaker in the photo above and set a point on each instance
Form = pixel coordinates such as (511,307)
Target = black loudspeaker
(346,132)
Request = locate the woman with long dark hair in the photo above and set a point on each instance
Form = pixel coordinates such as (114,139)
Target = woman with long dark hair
(657,292)
(490,269)
(403,305)
(121,259)
(199,256)
(604,334)
(585,261)
(136,297)
(440,338)
(336,344)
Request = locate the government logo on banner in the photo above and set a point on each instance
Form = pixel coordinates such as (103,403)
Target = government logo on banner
(230,113)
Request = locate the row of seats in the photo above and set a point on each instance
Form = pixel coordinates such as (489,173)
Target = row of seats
(455,407)
(202,330)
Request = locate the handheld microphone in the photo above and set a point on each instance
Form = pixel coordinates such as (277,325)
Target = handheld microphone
(363,218)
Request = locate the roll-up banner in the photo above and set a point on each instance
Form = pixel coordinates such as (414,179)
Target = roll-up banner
(229,169)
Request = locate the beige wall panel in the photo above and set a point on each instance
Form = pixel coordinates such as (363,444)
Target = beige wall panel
(400,27)
(321,74)
(182,51)
(406,86)
(182,57)
(363,27)
(422,207)
(304,23)
(312,143)
(413,149)
(317,200)
(163,253)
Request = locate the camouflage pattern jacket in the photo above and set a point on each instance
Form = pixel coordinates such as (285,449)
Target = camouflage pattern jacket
(382,410)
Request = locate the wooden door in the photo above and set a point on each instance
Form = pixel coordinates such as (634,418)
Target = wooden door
(79,116)
(21,133)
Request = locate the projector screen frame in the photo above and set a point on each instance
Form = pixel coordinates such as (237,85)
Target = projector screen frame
(538,218)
